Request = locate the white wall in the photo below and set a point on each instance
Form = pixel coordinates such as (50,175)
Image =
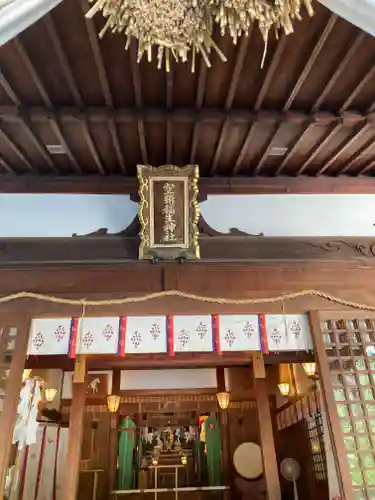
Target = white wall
(202,378)
(280,215)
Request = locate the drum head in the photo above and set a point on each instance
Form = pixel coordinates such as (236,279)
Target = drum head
(247,460)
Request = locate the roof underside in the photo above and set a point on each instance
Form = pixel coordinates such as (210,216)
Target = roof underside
(308,111)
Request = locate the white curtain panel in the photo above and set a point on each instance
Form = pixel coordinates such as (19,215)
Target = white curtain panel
(361,13)
(17,15)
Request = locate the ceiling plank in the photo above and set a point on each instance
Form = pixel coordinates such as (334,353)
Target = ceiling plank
(367,168)
(91,145)
(341,67)
(63,61)
(270,72)
(341,149)
(276,130)
(219,146)
(16,150)
(364,81)
(311,60)
(115,139)
(245,147)
(240,58)
(115,184)
(297,144)
(317,150)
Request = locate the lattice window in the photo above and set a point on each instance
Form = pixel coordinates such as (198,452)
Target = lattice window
(350,350)
(316,433)
(7,346)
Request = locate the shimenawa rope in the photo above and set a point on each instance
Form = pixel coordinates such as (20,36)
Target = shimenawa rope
(190,296)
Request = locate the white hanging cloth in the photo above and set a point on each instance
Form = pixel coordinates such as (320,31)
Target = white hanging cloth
(26,425)
(17,15)
(361,13)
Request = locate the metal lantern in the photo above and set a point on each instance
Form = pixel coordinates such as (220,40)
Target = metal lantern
(223,398)
(154,461)
(113,403)
(50,394)
(309,368)
(284,388)
(183,459)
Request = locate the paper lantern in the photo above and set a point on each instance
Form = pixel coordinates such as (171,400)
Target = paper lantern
(309,368)
(113,403)
(50,394)
(223,398)
(284,388)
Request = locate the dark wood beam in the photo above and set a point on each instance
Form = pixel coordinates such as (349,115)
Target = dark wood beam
(138,101)
(311,157)
(9,90)
(270,72)
(339,70)
(5,165)
(311,60)
(113,184)
(366,148)
(341,149)
(27,128)
(367,168)
(55,126)
(169,129)
(101,114)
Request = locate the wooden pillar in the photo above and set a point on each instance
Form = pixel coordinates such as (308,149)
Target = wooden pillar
(9,412)
(113,437)
(224,429)
(265,429)
(73,458)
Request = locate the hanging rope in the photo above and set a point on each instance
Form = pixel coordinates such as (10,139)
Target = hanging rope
(189,296)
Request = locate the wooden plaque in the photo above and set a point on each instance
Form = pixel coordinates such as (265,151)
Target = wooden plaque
(168,212)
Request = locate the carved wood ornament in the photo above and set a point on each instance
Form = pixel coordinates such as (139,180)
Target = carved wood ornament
(168,212)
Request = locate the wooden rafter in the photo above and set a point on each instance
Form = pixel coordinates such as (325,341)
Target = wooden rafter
(91,145)
(240,58)
(138,102)
(53,121)
(317,150)
(245,147)
(219,147)
(169,129)
(26,126)
(367,168)
(341,149)
(339,70)
(311,60)
(297,144)
(5,165)
(270,72)
(9,90)
(16,150)
(104,83)
(265,154)
(198,105)
(358,156)
(357,90)
(63,61)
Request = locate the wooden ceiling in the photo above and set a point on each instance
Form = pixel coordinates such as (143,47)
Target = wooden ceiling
(314,99)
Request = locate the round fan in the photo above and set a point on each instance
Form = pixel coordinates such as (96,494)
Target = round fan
(290,470)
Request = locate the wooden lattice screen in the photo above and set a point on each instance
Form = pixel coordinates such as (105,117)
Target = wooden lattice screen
(345,345)
(7,347)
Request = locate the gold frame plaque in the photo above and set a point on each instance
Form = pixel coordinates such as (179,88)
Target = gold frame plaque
(168,212)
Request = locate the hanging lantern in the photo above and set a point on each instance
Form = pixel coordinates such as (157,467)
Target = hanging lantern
(284,388)
(154,461)
(113,403)
(26,375)
(309,368)
(223,398)
(183,459)
(50,394)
